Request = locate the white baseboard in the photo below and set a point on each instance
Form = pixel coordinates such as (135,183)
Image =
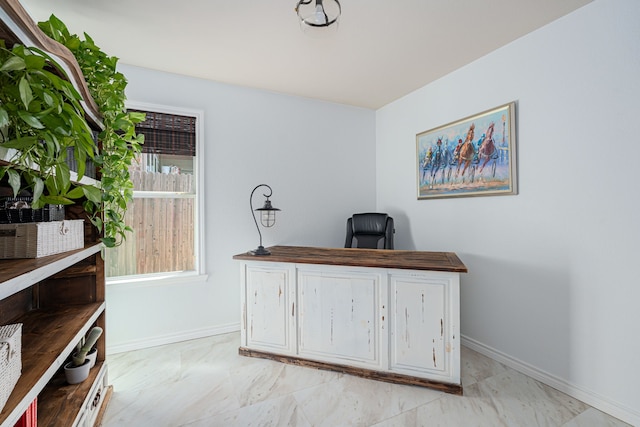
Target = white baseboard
(172,338)
(595,400)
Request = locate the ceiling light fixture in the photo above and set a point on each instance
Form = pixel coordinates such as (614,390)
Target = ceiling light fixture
(317,13)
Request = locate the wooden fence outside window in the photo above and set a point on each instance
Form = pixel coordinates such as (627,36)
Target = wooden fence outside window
(163,237)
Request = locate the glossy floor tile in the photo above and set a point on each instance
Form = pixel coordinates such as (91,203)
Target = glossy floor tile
(205,383)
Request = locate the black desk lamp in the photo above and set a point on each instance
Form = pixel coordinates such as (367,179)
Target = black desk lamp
(267,217)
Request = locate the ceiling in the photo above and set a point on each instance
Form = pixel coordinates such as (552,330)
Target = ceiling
(381,50)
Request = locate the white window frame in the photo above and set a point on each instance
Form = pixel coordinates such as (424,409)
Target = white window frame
(199,273)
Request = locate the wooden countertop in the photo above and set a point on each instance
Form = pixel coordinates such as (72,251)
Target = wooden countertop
(380,258)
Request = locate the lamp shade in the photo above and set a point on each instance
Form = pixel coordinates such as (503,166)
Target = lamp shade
(267,214)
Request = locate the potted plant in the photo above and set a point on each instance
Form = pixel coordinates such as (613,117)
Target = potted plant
(77,370)
(42,120)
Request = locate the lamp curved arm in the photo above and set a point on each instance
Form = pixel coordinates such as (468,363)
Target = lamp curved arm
(251,206)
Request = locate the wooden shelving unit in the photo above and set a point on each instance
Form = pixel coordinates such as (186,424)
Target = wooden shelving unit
(56,312)
(48,337)
(57,298)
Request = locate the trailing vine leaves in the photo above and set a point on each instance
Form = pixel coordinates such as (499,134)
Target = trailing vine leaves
(119,142)
(41,120)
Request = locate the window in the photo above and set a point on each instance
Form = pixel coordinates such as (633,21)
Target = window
(165,210)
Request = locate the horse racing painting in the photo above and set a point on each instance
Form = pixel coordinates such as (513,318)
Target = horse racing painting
(475,156)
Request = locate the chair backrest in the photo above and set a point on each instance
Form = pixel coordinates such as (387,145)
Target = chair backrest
(370,230)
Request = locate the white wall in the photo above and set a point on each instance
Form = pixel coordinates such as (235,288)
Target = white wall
(552,286)
(318,157)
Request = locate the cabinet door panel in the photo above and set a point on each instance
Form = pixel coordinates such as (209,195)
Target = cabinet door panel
(338,317)
(268,313)
(423,325)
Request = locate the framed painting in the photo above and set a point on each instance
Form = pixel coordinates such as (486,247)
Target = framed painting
(474,156)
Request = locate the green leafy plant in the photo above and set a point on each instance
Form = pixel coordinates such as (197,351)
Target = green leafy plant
(119,142)
(40,120)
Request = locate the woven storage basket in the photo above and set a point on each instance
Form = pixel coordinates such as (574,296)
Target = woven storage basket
(10,359)
(38,239)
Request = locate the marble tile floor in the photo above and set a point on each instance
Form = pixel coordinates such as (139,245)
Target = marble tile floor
(205,383)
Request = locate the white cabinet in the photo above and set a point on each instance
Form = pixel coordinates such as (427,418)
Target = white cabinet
(397,325)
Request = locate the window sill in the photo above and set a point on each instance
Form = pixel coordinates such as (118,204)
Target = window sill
(157,280)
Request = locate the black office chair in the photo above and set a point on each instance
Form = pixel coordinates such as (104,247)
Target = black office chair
(370,230)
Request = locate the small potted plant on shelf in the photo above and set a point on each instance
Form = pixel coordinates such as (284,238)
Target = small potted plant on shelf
(77,370)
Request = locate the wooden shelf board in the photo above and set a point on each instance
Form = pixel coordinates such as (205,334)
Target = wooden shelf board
(19,274)
(59,403)
(76,271)
(7,154)
(48,338)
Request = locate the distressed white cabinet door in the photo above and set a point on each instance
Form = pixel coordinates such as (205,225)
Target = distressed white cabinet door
(338,316)
(424,319)
(269,317)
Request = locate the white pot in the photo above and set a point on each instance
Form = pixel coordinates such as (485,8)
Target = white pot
(77,374)
(92,356)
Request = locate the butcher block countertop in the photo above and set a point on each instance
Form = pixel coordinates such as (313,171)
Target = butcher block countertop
(378,258)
